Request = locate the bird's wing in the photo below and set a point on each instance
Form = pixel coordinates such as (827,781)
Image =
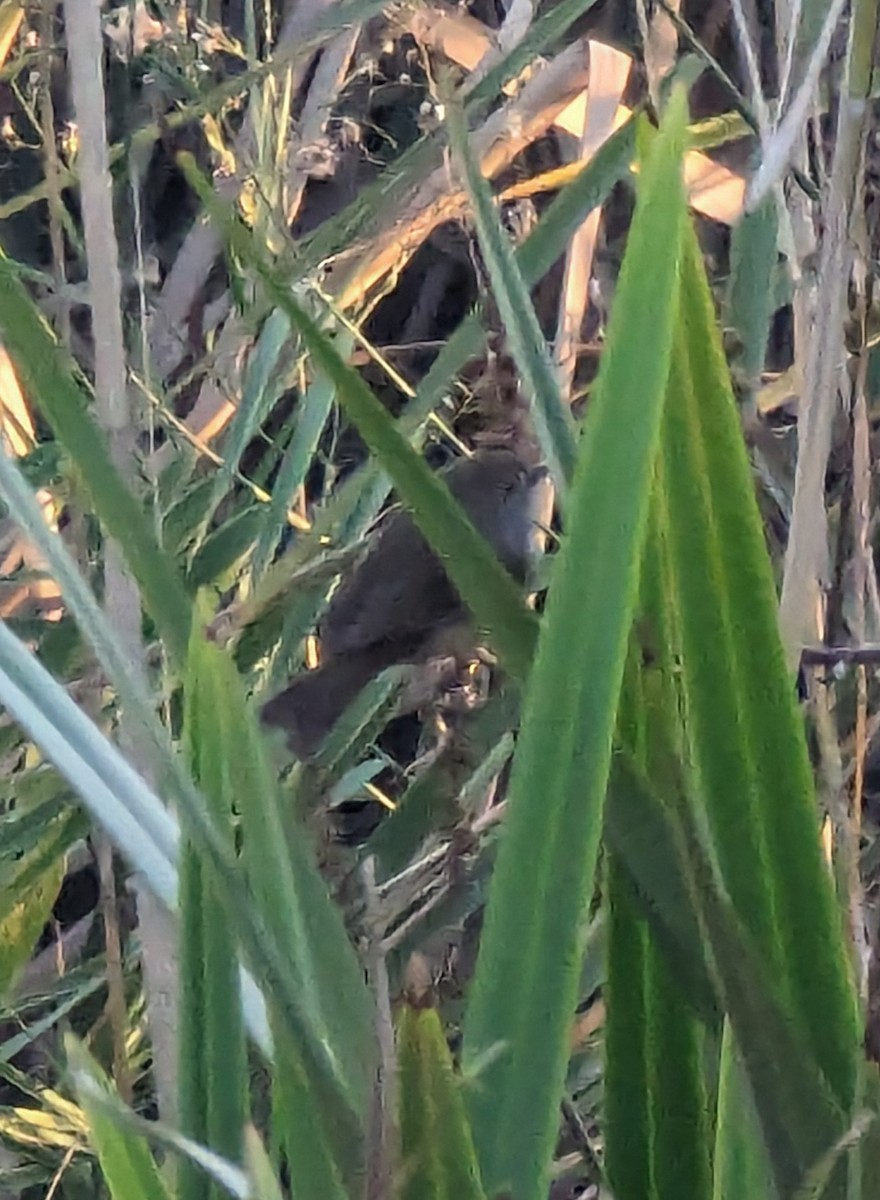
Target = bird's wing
(399,593)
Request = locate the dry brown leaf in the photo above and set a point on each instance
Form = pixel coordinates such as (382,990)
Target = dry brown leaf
(131,31)
(16,552)
(15,420)
(609,72)
(458,36)
(11,16)
(586,1024)
(495,144)
(714,190)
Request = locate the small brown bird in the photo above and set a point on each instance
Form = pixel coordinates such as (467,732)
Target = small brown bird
(398,605)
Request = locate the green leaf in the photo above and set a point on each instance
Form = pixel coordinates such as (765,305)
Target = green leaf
(301,1119)
(638,832)
(225,546)
(437,1150)
(260,1171)
(797,1113)
(313,411)
(187,513)
(325,1019)
(552,418)
(750,294)
(365,717)
(656,1124)
(111,790)
(334,1053)
(681,1128)
(525,986)
(46,373)
(745,732)
(742,1161)
(125,1157)
(212,1041)
(627,1093)
(262,385)
(25,912)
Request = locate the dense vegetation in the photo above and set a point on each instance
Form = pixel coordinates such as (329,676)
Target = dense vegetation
(598,917)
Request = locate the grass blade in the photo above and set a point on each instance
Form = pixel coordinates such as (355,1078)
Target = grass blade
(315,408)
(757,781)
(553,422)
(128,1166)
(627,1116)
(796,1110)
(526,980)
(437,1151)
(750,298)
(40,362)
(212,1041)
(290,899)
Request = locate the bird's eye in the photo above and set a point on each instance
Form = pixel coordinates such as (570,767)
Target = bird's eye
(512,485)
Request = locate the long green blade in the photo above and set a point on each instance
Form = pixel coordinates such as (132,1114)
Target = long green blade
(437,1151)
(40,363)
(525,986)
(552,419)
(745,732)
